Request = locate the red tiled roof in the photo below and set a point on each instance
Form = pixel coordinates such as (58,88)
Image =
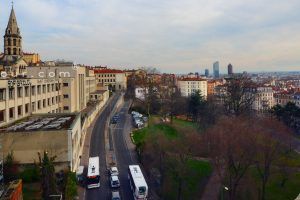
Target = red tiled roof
(191,79)
(106,71)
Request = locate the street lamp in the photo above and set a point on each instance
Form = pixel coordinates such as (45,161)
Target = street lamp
(56,195)
(222,192)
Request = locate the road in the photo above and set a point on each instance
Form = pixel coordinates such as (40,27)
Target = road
(124,156)
(97,148)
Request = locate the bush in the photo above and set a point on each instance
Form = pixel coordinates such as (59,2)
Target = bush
(30,174)
(71,187)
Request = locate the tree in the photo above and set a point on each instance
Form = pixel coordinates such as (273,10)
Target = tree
(240,95)
(10,168)
(289,114)
(47,175)
(272,142)
(195,105)
(71,187)
(230,145)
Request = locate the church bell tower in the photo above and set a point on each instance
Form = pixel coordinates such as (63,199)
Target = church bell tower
(12,37)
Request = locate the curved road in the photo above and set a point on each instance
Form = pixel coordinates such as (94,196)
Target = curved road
(97,148)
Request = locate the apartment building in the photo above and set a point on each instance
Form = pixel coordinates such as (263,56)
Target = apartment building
(264,98)
(283,97)
(22,97)
(48,90)
(112,78)
(77,82)
(188,86)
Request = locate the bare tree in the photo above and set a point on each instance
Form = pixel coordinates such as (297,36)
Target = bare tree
(231,149)
(272,142)
(240,95)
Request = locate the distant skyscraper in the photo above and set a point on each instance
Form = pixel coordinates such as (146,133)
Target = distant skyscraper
(216,70)
(230,69)
(206,72)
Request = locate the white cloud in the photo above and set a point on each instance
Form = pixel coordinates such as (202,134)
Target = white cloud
(173,35)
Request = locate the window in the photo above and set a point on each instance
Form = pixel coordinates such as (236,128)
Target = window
(48,88)
(65,84)
(53,100)
(11,113)
(66,96)
(52,87)
(44,89)
(32,90)
(26,108)
(33,106)
(57,86)
(19,110)
(2,114)
(39,104)
(39,89)
(11,93)
(2,94)
(19,92)
(49,103)
(26,91)
(15,42)
(66,107)
(44,103)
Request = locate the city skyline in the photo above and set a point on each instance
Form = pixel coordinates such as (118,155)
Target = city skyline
(178,37)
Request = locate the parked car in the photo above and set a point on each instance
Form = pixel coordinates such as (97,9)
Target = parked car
(114,181)
(114,171)
(115,195)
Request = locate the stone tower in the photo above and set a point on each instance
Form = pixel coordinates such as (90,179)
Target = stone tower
(12,37)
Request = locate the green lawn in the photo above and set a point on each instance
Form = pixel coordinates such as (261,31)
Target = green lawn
(140,135)
(198,173)
(172,131)
(185,124)
(290,191)
(274,190)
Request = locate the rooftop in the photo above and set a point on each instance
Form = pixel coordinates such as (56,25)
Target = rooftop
(42,122)
(191,79)
(105,71)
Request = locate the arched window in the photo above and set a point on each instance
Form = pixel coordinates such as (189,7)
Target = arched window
(9,42)
(15,42)
(15,51)
(8,51)
(19,51)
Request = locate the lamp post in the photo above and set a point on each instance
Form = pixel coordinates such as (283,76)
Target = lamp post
(222,192)
(56,195)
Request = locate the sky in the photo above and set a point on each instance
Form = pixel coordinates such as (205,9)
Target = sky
(177,36)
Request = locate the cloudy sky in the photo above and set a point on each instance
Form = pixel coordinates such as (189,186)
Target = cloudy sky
(172,35)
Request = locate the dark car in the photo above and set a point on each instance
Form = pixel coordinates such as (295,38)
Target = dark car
(115,119)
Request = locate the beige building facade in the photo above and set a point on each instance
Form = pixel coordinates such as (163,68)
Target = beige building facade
(114,79)
(188,86)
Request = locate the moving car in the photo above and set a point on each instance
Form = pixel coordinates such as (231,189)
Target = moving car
(115,119)
(115,195)
(114,181)
(114,171)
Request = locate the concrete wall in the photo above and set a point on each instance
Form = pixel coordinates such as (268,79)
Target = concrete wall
(26,145)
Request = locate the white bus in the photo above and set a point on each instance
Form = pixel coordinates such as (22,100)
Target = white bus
(93,176)
(137,181)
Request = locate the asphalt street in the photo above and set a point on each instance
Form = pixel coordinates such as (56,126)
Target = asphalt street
(97,148)
(123,154)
